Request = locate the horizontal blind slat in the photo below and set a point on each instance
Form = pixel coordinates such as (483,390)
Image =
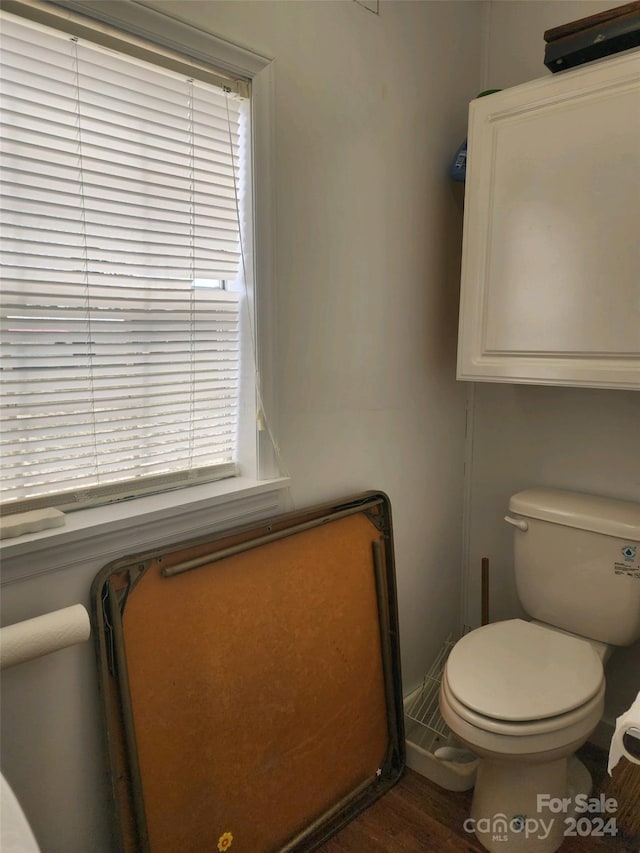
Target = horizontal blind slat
(77,434)
(23,171)
(111,474)
(116,411)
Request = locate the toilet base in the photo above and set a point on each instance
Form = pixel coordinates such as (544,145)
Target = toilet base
(507,814)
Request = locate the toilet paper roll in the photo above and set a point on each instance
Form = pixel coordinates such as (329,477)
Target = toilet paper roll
(44,634)
(626,727)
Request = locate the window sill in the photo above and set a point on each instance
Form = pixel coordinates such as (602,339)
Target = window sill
(141,523)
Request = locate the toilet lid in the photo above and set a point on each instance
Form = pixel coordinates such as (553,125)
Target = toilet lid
(517,670)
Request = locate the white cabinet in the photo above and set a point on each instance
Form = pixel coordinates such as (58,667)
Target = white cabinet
(551,251)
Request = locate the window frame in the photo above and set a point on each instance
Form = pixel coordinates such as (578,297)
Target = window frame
(256,455)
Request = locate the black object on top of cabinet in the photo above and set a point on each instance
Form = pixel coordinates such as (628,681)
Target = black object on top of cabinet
(592,38)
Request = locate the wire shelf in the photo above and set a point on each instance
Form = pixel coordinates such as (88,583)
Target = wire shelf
(425,726)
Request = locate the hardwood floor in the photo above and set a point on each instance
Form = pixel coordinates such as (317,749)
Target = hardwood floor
(417,816)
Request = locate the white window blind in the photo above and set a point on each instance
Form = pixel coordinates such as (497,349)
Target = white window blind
(120,221)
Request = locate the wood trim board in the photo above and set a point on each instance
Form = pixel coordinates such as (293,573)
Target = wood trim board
(600,18)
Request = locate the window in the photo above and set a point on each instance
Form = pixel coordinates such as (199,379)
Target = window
(125,188)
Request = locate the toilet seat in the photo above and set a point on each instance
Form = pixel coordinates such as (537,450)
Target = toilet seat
(522,674)
(527,728)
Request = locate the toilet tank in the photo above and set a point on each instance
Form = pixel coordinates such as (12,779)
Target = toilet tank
(577,562)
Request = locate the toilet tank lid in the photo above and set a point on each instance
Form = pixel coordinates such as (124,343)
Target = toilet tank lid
(573,509)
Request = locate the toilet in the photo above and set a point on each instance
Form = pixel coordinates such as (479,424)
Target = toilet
(525,695)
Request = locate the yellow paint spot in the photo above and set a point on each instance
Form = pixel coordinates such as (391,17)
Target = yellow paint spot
(225,841)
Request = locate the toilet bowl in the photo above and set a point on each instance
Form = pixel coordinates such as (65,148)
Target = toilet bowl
(524,697)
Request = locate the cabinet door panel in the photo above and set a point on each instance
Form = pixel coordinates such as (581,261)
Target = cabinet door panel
(551,261)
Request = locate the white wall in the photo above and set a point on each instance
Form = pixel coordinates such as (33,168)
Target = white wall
(368,112)
(522,436)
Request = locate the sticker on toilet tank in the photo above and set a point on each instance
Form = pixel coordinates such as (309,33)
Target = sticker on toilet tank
(629,564)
